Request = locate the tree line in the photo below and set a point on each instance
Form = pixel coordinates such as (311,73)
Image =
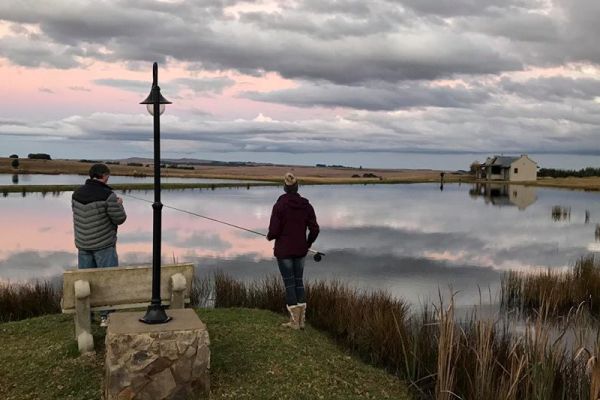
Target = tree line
(563,173)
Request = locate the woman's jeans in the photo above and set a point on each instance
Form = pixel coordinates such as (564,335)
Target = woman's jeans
(292,270)
(99,259)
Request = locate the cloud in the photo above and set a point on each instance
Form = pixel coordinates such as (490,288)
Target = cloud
(196,85)
(46,90)
(550,127)
(382,44)
(374,97)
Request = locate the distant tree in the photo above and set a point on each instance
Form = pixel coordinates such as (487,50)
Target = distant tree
(39,156)
(13,156)
(15,163)
(474,167)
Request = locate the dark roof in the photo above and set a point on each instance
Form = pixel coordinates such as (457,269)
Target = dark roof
(502,161)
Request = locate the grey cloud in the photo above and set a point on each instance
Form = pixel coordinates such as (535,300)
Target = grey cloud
(555,89)
(449,8)
(374,97)
(198,35)
(46,90)
(38,53)
(197,85)
(125,84)
(201,85)
(433,129)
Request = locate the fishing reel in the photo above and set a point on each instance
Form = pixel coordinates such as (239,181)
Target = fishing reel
(318,256)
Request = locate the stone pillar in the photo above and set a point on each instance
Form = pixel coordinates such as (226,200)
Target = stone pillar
(156,362)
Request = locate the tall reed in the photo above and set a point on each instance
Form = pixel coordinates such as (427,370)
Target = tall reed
(20,301)
(561,292)
(438,356)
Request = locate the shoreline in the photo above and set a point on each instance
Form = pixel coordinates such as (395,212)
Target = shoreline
(266,175)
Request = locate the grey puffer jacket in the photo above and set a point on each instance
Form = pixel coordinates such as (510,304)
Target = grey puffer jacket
(96,215)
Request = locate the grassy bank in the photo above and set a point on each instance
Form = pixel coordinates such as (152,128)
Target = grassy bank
(559,292)
(251,358)
(439,357)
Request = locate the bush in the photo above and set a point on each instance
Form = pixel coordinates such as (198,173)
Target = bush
(13,156)
(15,163)
(39,156)
(134,164)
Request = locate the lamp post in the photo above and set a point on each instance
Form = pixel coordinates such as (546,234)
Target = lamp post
(155,103)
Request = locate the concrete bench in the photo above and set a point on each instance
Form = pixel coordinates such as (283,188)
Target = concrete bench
(98,289)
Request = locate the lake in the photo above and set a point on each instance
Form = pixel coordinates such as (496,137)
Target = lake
(411,240)
(71,179)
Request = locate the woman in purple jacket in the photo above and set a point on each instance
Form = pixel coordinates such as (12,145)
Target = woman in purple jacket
(292,215)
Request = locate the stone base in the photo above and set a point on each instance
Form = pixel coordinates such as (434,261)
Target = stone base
(156,362)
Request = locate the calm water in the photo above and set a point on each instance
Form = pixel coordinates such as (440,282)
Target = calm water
(408,239)
(36,179)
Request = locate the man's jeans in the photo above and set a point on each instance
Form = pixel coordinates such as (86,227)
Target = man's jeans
(104,258)
(98,258)
(291,271)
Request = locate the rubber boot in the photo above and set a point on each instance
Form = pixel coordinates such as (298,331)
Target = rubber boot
(295,312)
(302,315)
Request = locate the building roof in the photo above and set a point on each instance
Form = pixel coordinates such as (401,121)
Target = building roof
(501,161)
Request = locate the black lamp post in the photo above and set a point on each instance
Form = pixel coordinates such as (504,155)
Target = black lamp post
(155,104)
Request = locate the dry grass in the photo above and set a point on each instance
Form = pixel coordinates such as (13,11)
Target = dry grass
(439,357)
(258,172)
(562,292)
(20,301)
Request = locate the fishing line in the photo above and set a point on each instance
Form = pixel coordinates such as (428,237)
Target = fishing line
(317,254)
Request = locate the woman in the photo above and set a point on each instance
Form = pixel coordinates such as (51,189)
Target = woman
(292,215)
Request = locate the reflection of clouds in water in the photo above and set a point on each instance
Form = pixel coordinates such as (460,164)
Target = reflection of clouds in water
(411,278)
(455,248)
(30,264)
(367,232)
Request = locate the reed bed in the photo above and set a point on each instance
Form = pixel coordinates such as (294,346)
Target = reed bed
(438,356)
(562,292)
(20,301)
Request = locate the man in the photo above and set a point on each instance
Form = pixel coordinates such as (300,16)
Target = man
(292,215)
(97,211)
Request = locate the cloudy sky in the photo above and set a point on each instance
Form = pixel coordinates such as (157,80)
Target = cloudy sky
(352,82)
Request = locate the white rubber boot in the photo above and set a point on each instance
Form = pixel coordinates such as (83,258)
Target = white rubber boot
(295,312)
(302,315)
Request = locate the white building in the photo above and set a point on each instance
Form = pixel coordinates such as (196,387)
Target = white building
(503,168)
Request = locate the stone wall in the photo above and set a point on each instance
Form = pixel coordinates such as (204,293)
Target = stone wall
(156,365)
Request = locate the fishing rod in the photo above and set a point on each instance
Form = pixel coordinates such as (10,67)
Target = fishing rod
(317,254)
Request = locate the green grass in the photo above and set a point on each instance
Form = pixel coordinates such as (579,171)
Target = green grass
(252,357)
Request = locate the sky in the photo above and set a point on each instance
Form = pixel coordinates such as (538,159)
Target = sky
(375,83)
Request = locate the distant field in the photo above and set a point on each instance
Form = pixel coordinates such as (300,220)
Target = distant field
(259,172)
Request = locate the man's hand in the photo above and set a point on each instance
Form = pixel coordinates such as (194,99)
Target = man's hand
(119,200)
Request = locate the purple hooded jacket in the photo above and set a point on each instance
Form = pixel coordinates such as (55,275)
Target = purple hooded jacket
(291,216)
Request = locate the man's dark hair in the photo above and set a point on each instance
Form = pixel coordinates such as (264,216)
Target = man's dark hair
(98,171)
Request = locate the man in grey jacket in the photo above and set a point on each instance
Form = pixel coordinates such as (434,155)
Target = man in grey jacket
(97,212)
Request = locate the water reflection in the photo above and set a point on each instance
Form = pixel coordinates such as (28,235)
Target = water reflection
(409,239)
(15,179)
(561,213)
(505,194)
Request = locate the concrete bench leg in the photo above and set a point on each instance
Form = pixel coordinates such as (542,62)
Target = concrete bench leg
(178,285)
(83,322)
